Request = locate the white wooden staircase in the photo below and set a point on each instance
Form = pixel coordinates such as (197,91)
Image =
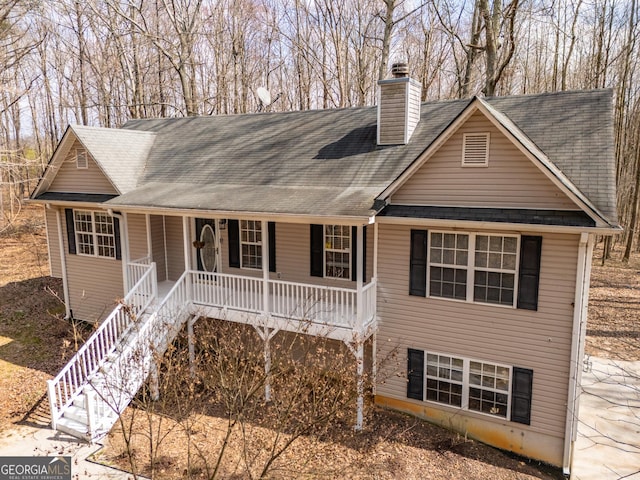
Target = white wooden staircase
(93,389)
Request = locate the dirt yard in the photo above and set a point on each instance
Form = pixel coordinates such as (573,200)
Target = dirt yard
(35,342)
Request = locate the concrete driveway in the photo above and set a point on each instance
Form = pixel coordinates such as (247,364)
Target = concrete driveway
(608,445)
(27,441)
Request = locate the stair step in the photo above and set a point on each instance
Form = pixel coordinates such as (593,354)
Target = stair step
(73,427)
(79,414)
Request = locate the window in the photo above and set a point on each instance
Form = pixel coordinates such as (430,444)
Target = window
(449,258)
(468,384)
(337,251)
(475,150)
(251,243)
(94,234)
(81,158)
(473,267)
(444,379)
(495,269)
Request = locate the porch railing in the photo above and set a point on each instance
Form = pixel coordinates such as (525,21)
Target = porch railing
(137,268)
(296,301)
(68,384)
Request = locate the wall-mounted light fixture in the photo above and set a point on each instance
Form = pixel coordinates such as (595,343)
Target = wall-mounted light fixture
(222,223)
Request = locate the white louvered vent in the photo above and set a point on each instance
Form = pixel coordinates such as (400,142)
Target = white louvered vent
(475,150)
(81,158)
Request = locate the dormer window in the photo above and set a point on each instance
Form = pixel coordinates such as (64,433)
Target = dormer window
(475,150)
(81,158)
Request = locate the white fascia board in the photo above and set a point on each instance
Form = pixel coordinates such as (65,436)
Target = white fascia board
(225,214)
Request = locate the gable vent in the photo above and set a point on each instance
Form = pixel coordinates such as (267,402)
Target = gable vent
(81,158)
(475,150)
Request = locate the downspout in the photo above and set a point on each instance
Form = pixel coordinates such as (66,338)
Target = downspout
(63,265)
(124,245)
(583,274)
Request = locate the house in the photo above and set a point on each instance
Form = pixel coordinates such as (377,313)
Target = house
(458,232)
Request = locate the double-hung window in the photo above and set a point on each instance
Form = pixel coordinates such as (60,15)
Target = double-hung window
(251,243)
(465,383)
(337,251)
(473,267)
(94,234)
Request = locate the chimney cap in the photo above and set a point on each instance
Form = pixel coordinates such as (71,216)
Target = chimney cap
(400,69)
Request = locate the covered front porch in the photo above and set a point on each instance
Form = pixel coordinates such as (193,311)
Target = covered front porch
(339,308)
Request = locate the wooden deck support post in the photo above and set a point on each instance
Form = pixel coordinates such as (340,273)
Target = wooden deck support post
(266,334)
(357,348)
(192,350)
(154,381)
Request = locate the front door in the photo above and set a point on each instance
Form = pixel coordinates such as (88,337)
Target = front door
(206,245)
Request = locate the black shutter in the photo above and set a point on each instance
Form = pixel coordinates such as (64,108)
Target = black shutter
(415,374)
(234,243)
(317,249)
(521,390)
(364,254)
(71,230)
(418,263)
(199,226)
(272,246)
(529,277)
(354,253)
(116,234)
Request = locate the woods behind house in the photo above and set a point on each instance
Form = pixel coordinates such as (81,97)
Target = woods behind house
(103,62)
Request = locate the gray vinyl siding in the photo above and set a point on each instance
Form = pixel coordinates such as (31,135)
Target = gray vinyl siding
(393,113)
(413,116)
(92,297)
(158,246)
(175,247)
(52,241)
(510,180)
(137,229)
(70,179)
(539,340)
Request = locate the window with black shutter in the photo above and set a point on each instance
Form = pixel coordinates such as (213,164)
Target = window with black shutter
(71,230)
(317,250)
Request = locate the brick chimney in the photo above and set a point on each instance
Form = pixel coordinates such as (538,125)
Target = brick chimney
(398,106)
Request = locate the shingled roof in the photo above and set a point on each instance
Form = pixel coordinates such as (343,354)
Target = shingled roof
(327,162)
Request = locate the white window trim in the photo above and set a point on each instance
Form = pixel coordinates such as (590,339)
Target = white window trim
(94,235)
(325,250)
(471,268)
(466,384)
(242,265)
(82,153)
(475,163)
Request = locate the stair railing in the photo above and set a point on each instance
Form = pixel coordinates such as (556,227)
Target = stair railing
(68,384)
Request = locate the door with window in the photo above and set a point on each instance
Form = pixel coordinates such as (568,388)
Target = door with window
(207,245)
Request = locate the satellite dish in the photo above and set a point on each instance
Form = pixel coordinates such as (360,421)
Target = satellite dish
(264,96)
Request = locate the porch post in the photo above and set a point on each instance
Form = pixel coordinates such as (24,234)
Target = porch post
(192,350)
(357,348)
(186,235)
(267,366)
(359,279)
(359,384)
(147,221)
(265,268)
(154,381)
